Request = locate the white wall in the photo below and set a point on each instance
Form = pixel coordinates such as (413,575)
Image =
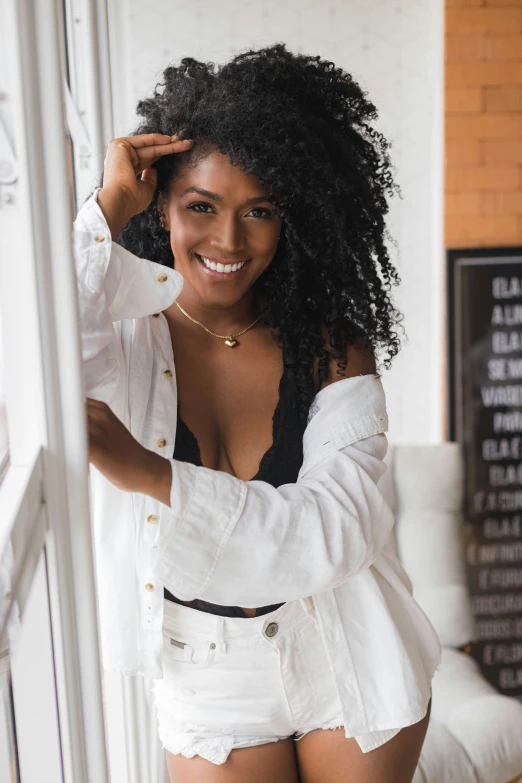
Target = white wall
(395,49)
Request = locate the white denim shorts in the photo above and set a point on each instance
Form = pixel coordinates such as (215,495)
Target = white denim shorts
(236,682)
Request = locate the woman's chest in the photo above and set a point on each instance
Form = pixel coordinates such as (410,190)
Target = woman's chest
(227,398)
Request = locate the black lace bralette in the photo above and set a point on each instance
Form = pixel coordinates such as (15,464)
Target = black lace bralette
(279,465)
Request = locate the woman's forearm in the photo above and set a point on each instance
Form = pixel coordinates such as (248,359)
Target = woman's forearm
(122,459)
(157,478)
(115,210)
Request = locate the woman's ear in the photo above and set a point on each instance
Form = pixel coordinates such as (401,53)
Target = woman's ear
(163,213)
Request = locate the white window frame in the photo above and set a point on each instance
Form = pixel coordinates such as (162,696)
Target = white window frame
(45,488)
(44,503)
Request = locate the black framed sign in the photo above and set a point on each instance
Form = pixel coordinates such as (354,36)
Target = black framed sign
(485,417)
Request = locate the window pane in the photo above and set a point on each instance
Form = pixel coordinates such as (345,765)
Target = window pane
(8,754)
(4,442)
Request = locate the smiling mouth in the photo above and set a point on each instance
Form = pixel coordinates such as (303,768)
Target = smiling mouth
(221,269)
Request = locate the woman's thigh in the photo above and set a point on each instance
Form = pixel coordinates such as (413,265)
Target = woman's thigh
(327,756)
(274,762)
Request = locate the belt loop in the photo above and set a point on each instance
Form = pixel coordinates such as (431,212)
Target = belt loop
(220,641)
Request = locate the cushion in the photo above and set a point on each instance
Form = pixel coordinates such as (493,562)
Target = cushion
(475,733)
(424,487)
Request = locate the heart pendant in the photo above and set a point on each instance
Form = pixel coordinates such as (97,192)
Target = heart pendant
(231,342)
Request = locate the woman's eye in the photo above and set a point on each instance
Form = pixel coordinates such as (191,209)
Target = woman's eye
(203,208)
(266,213)
(198,204)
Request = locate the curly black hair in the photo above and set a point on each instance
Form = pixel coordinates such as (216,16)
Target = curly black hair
(301,126)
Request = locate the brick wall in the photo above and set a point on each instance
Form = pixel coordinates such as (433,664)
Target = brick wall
(483,202)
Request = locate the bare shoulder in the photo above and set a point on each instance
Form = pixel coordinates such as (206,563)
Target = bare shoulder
(359,361)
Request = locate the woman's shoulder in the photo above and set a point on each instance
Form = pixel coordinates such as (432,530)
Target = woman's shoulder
(359,360)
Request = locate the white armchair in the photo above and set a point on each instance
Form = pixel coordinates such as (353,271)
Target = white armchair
(475,733)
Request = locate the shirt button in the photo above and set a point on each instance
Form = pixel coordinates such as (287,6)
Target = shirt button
(149,587)
(99,238)
(152,518)
(161,443)
(167,374)
(271,629)
(162,277)
(155,315)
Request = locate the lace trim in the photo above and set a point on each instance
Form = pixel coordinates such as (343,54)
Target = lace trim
(192,441)
(276,428)
(193,445)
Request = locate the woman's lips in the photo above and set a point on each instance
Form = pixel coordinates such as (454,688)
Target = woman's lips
(221,276)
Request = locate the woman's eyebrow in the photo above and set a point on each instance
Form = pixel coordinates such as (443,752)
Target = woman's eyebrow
(217,197)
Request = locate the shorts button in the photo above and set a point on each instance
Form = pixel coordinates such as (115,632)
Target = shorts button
(271,629)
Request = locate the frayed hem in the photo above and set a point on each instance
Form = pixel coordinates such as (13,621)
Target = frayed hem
(367,742)
(216,750)
(333,724)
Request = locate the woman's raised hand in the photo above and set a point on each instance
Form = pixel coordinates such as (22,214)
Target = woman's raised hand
(125,194)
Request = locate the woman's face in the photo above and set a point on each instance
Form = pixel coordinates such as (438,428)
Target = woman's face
(219,217)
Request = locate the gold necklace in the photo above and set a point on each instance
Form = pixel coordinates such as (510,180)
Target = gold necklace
(230,339)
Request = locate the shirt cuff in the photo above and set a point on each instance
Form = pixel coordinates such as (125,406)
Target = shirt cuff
(205,507)
(91,217)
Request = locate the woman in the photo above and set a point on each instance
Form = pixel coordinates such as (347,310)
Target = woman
(258,586)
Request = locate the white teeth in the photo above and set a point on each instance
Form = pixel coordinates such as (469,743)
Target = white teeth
(225,268)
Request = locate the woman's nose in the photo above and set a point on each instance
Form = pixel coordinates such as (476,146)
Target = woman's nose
(229,237)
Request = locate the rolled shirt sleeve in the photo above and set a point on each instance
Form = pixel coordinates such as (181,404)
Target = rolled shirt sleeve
(250,544)
(113,285)
(97,284)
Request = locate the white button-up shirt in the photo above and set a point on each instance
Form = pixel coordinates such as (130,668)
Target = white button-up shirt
(244,543)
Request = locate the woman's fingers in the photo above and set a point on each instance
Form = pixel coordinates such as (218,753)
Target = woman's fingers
(150,176)
(143,154)
(124,192)
(150,147)
(149,139)
(149,155)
